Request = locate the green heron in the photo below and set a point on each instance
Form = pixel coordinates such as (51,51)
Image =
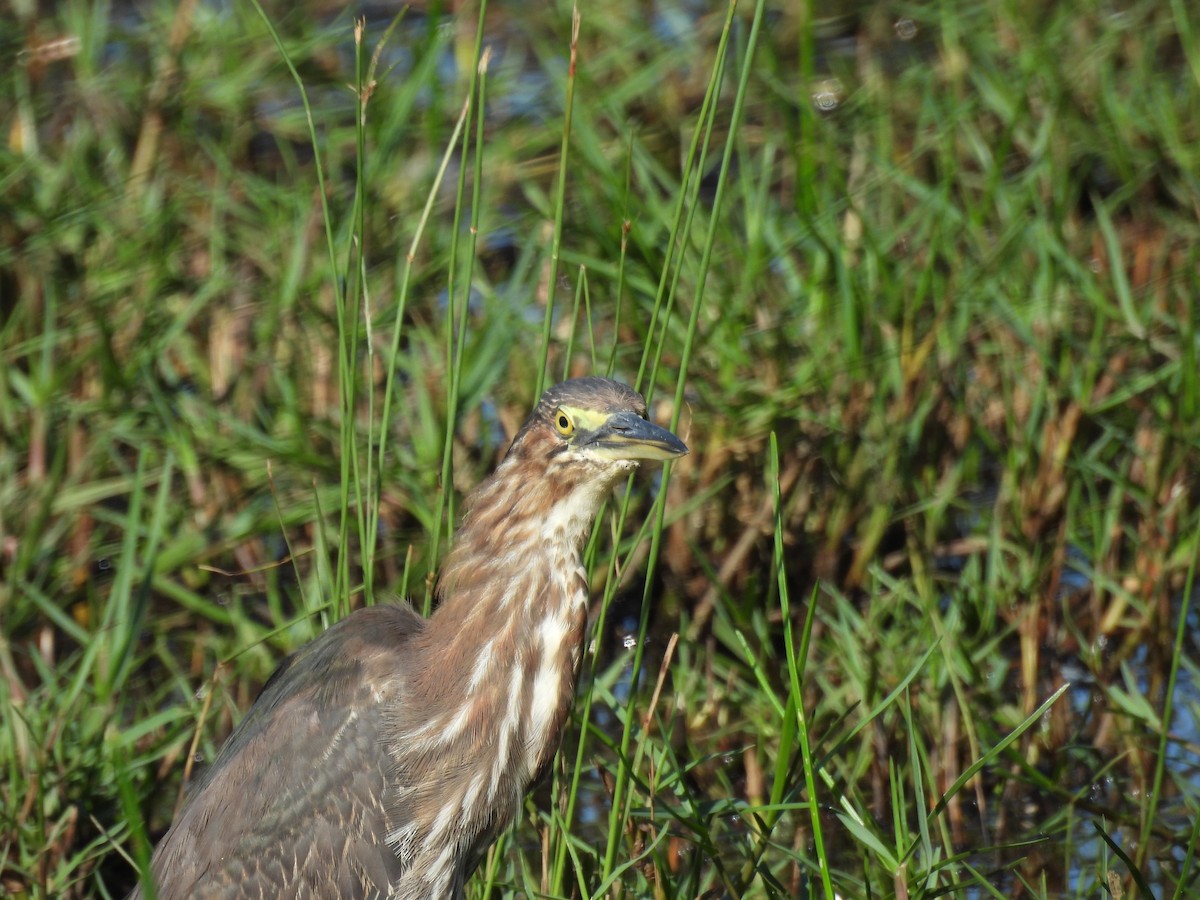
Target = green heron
(383,758)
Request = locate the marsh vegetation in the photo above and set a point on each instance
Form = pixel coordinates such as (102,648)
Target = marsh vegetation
(915,282)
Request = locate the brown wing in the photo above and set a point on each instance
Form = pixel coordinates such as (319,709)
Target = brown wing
(295,804)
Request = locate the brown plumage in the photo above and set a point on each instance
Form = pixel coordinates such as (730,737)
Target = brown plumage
(383,758)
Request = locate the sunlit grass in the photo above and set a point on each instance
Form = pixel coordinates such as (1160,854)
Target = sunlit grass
(916,288)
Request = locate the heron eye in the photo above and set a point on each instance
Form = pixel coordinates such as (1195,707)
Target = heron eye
(563,423)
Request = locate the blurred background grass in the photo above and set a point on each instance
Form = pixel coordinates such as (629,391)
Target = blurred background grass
(952,271)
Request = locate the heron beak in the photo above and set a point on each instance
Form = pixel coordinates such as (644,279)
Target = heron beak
(625,435)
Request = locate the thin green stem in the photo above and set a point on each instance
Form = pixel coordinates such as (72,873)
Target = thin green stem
(456,330)
(560,194)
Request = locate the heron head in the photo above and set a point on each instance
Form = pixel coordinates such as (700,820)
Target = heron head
(599,426)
